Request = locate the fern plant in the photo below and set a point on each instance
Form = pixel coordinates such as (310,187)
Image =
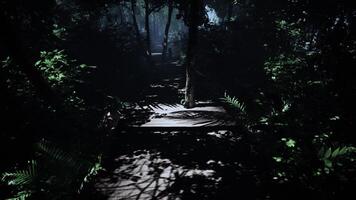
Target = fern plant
(82,169)
(64,174)
(22,195)
(21,177)
(22,180)
(93,171)
(329,155)
(58,155)
(235,103)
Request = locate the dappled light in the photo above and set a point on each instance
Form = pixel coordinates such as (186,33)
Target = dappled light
(177,99)
(146,175)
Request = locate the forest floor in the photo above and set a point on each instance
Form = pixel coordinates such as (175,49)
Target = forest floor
(160,163)
(165,93)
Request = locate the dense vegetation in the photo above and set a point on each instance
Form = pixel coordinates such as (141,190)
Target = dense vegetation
(74,73)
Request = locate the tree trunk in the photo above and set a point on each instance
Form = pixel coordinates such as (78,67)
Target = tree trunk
(166,31)
(190,60)
(229,11)
(147,27)
(121,14)
(138,35)
(134,20)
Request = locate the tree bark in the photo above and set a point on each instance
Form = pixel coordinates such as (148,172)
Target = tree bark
(121,14)
(166,31)
(140,42)
(229,11)
(134,20)
(147,27)
(190,60)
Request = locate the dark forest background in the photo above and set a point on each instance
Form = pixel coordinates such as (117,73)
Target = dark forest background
(74,72)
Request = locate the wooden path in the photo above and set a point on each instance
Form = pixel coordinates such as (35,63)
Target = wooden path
(204,115)
(172,115)
(145,174)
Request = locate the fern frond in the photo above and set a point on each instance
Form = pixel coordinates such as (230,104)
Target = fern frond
(22,195)
(21,177)
(59,155)
(234,102)
(93,171)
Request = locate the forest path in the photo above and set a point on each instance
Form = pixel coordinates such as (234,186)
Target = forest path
(165,95)
(173,152)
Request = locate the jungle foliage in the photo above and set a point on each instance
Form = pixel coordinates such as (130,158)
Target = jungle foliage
(72,73)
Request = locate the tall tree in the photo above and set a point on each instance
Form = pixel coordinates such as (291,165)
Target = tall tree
(166,31)
(134,20)
(147,26)
(193,13)
(230,8)
(150,6)
(144,48)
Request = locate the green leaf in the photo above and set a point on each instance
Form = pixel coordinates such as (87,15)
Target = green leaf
(277,159)
(290,143)
(321,152)
(336,153)
(343,150)
(327,153)
(328,163)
